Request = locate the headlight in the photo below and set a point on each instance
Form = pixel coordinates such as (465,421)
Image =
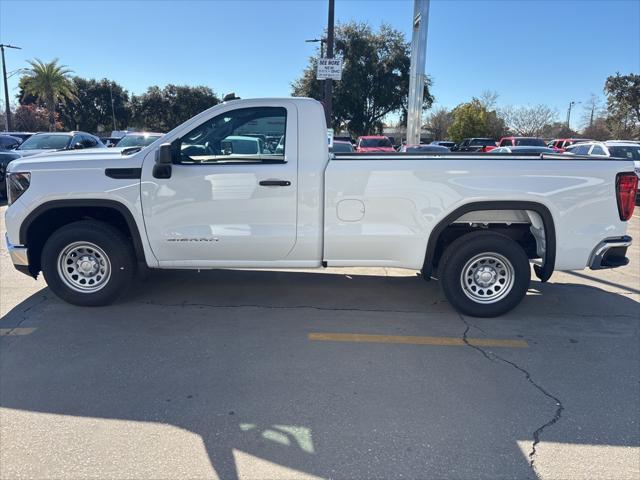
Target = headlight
(17,184)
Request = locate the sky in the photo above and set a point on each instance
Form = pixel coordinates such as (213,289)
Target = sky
(529,52)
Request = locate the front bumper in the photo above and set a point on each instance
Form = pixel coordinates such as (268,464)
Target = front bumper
(19,256)
(610,253)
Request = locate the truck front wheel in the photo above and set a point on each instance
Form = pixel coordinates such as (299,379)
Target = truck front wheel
(484,274)
(88,263)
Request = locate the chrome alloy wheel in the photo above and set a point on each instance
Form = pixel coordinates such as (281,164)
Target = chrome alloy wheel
(84,267)
(487,278)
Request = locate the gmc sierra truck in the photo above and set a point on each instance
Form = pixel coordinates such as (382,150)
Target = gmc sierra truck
(251,184)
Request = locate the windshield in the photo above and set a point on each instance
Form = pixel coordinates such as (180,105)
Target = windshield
(137,140)
(375,142)
(46,142)
(530,142)
(341,147)
(482,141)
(632,153)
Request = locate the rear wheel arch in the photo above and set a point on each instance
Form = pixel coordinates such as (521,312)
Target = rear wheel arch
(543,272)
(44,220)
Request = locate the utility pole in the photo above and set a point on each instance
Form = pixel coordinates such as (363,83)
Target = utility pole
(571,104)
(416,72)
(328,83)
(593,108)
(7,108)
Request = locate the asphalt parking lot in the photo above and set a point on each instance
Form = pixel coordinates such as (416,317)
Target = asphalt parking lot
(336,374)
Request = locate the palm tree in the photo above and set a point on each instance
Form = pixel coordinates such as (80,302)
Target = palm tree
(51,83)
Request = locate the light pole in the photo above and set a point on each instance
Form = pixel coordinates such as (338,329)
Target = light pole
(113,112)
(7,109)
(416,71)
(571,104)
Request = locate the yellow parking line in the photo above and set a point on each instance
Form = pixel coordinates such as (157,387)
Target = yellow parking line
(412,340)
(15,331)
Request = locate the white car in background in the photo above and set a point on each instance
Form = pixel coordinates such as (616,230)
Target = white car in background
(138,139)
(627,149)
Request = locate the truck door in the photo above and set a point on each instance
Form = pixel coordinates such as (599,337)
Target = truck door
(231,197)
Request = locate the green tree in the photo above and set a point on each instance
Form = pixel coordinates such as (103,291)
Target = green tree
(25,98)
(375,78)
(472,119)
(50,83)
(91,109)
(163,109)
(623,105)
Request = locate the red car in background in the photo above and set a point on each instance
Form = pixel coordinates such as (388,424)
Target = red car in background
(561,144)
(374,143)
(521,142)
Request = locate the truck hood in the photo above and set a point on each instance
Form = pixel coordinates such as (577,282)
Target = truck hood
(30,153)
(74,159)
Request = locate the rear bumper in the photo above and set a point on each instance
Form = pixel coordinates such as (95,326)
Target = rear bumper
(610,253)
(19,256)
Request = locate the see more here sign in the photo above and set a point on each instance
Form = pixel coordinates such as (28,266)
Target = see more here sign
(329,68)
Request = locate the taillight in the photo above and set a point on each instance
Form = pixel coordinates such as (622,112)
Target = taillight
(626,189)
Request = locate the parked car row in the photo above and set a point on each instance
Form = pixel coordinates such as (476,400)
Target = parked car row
(29,143)
(16,145)
(381,143)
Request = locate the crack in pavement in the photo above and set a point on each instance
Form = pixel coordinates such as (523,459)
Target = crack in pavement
(491,356)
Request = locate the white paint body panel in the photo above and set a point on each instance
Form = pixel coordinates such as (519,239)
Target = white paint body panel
(405,199)
(350,211)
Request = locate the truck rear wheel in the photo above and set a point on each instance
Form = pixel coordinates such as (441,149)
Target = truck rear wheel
(484,274)
(88,263)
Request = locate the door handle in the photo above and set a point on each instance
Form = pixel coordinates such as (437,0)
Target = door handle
(275,183)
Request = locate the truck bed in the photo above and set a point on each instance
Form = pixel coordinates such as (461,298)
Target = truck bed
(381,208)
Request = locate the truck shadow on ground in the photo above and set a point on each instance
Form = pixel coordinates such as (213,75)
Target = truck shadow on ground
(225,354)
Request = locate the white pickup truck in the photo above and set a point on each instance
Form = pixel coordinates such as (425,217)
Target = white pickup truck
(89,219)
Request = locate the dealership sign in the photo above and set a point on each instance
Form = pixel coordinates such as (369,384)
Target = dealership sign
(329,68)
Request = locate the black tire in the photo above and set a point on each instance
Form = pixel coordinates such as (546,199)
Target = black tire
(514,272)
(117,252)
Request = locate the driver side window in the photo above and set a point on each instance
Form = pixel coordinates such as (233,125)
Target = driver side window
(245,135)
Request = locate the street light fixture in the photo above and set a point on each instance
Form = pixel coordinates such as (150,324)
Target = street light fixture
(322,42)
(7,122)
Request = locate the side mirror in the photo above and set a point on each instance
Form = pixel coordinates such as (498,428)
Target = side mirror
(77,146)
(164,159)
(164,156)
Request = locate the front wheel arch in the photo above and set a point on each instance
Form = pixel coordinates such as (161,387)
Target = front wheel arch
(45,219)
